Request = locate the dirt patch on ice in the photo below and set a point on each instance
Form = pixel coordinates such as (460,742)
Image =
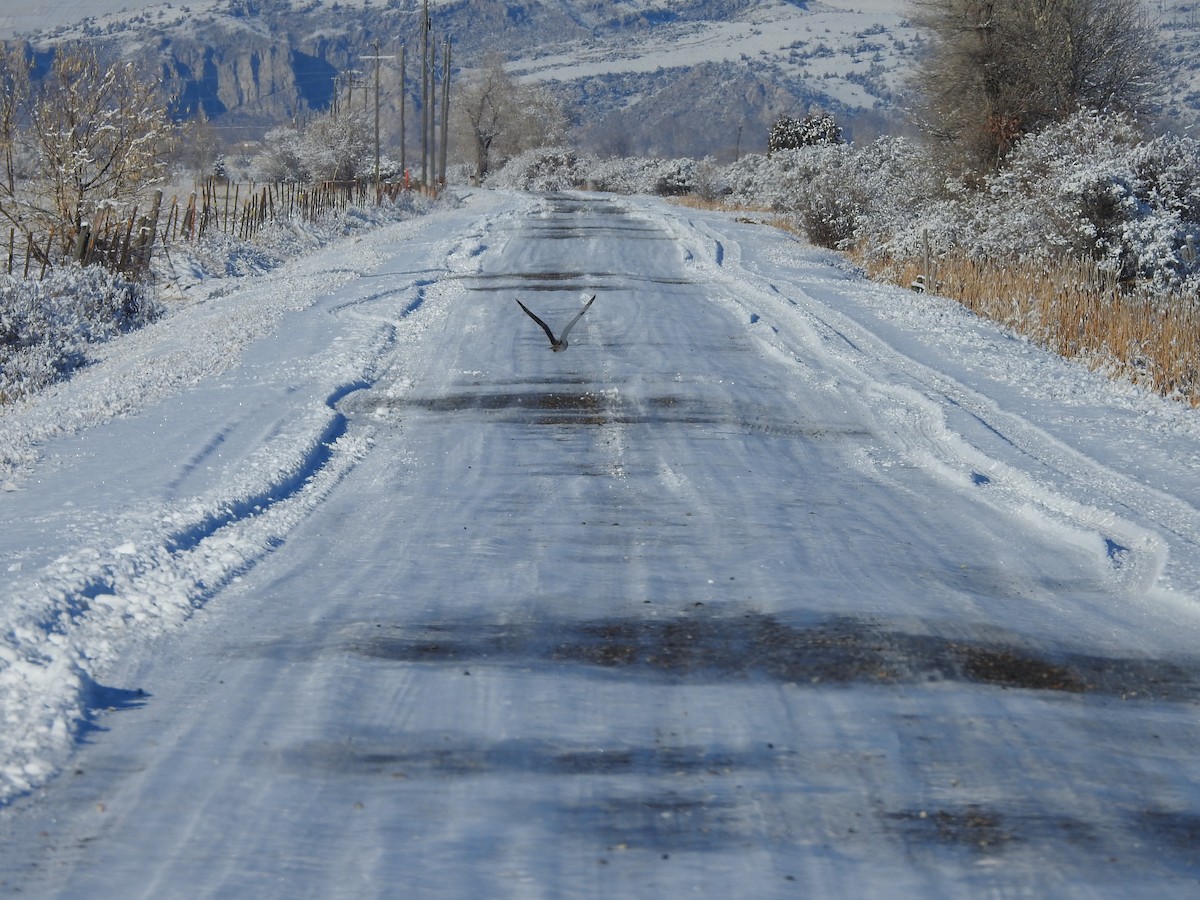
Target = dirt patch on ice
(573,405)
(1008,667)
(988,830)
(412,755)
(699,646)
(973,826)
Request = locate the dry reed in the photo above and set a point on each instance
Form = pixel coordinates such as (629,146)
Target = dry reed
(1078,311)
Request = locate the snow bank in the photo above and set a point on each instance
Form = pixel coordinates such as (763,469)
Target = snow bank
(49,327)
(62,621)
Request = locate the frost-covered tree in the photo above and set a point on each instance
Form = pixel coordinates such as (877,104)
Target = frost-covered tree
(14,92)
(340,148)
(281,158)
(97,133)
(1000,69)
(493,118)
(200,147)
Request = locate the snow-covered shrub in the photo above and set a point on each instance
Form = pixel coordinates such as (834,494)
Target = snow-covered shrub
(829,213)
(839,193)
(281,159)
(558,168)
(1092,187)
(857,194)
(638,176)
(899,186)
(811,131)
(617,175)
(676,178)
(327,149)
(47,327)
(1069,181)
(710,183)
(543,169)
(756,180)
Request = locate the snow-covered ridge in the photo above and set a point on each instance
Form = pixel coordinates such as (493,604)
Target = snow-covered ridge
(772,57)
(640,70)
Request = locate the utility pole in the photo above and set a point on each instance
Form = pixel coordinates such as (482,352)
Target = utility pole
(352,82)
(425,112)
(445,107)
(433,69)
(403,136)
(378,59)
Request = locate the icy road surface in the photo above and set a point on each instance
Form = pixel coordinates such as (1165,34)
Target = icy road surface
(776,583)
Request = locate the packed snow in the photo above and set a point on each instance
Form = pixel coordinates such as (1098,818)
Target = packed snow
(334,581)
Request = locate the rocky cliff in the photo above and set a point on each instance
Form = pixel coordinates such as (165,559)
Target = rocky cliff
(253,64)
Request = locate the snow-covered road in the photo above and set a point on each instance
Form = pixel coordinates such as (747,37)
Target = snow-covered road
(775,583)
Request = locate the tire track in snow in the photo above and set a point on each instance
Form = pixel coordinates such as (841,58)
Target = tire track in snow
(70,620)
(1117,530)
(308,466)
(51,649)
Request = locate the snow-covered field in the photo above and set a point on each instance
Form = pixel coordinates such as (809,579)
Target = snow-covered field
(337,583)
(830,45)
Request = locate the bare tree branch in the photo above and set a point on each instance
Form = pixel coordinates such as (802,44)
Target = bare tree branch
(999,69)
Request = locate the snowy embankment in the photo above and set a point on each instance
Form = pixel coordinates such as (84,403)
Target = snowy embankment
(83,582)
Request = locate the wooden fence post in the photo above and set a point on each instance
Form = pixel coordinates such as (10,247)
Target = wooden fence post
(189,218)
(146,231)
(46,255)
(82,239)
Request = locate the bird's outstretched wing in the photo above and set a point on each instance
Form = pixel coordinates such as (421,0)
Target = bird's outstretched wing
(545,327)
(579,315)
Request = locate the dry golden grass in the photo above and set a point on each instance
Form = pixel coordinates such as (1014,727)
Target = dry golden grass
(1077,311)
(1069,307)
(695,201)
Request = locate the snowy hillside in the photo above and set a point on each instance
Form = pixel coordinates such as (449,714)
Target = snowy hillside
(642,78)
(68,19)
(336,582)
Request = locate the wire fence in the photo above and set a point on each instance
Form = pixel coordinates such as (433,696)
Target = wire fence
(125,242)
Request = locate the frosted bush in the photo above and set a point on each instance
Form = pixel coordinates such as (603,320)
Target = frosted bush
(326,149)
(557,169)
(1092,187)
(542,169)
(48,327)
(788,133)
(839,193)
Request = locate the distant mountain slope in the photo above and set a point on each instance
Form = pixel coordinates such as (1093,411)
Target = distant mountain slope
(666,78)
(685,77)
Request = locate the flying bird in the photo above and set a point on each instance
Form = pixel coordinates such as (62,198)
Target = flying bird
(557,344)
